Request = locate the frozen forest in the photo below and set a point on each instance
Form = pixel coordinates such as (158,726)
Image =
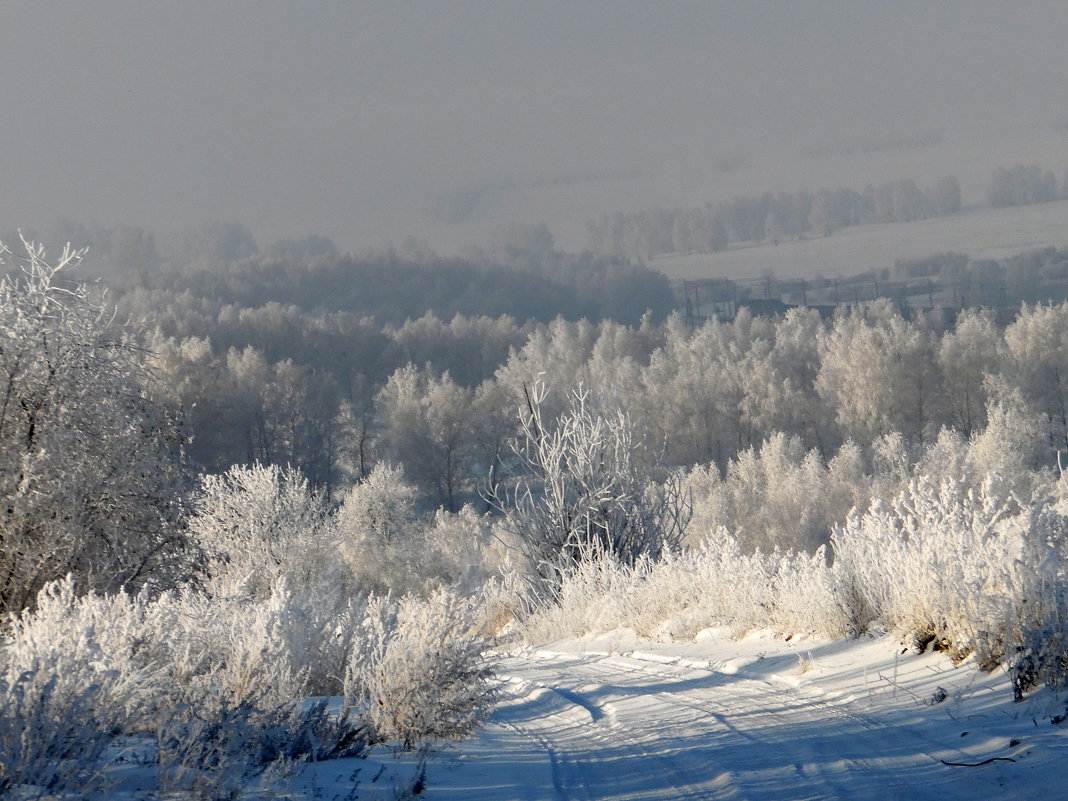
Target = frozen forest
(223,510)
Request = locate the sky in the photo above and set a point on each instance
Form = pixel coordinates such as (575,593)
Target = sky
(356,119)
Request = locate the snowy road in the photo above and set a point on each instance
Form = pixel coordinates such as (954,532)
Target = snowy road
(645,725)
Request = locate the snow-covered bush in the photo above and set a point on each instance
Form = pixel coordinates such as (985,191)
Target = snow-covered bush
(718,583)
(469,548)
(50,741)
(86,640)
(588,489)
(422,672)
(959,567)
(67,686)
(381,538)
(237,671)
(213,742)
(219,684)
(388,548)
(777,496)
(380,509)
(1036,643)
(280,648)
(258,526)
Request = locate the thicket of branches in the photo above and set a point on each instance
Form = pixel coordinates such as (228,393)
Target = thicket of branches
(89,464)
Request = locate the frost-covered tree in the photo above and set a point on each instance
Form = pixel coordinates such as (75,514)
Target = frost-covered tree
(1020,185)
(587,491)
(968,354)
(557,355)
(695,389)
(259,526)
(878,372)
(380,536)
(945,195)
(470,349)
(1037,344)
(428,427)
(1007,451)
(88,458)
(778,375)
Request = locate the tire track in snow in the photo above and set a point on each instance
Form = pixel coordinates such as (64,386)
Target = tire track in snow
(716,735)
(595,756)
(804,765)
(619,759)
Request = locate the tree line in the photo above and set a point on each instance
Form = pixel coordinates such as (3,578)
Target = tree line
(335,394)
(647,233)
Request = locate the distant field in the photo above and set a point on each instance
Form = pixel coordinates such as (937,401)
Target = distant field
(566,205)
(986,233)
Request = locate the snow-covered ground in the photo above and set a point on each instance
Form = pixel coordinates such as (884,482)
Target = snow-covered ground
(979,233)
(762,717)
(756,718)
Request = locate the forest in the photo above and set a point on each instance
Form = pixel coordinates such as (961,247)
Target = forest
(234,478)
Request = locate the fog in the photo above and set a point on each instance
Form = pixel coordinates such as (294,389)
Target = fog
(369,122)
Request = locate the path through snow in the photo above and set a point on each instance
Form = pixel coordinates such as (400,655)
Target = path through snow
(756,719)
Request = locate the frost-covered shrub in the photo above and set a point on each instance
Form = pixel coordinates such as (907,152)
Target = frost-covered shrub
(388,548)
(67,686)
(1036,643)
(285,646)
(595,595)
(218,682)
(217,673)
(214,743)
(83,641)
(776,497)
(956,566)
(51,740)
(469,548)
(236,672)
(381,508)
(422,673)
(261,524)
(719,583)
(588,489)
(381,539)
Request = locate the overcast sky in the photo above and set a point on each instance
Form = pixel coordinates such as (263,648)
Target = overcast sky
(348,118)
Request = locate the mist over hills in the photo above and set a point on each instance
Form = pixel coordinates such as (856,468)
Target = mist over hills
(442,120)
